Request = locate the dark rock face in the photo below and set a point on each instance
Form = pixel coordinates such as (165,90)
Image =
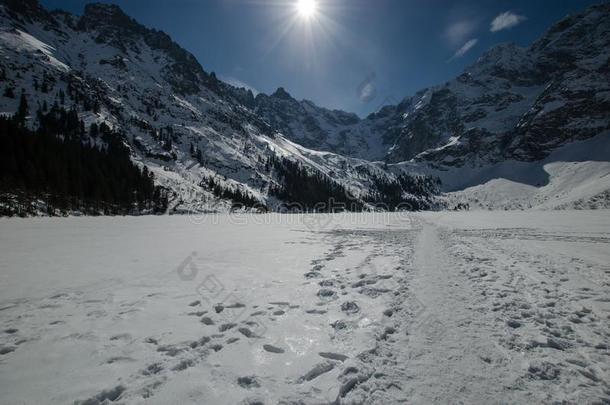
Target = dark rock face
(303,121)
(28,11)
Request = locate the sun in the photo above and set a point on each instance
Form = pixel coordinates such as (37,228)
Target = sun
(307,8)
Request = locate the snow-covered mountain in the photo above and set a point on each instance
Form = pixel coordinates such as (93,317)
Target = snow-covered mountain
(320,128)
(512,102)
(520,128)
(211,143)
(201,137)
(515,102)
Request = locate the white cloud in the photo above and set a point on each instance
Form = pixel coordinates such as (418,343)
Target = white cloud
(465,48)
(235,82)
(367,90)
(458,31)
(367,93)
(506,20)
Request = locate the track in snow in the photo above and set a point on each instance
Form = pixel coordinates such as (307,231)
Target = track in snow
(381,309)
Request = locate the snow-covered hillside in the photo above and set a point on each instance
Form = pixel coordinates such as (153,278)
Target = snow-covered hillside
(495,130)
(576,175)
(197,134)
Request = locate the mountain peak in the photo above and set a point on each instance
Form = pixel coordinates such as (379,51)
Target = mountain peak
(281,93)
(111,25)
(30,9)
(103,11)
(97,14)
(587,27)
(505,54)
(103,8)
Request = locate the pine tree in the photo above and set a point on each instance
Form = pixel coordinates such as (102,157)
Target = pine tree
(22,111)
(93,130)
(9,92)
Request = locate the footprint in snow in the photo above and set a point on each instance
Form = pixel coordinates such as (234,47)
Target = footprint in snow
(273,349)
(152,369)
(326,293)
(198,343)
(350,307)
(247,332)
(121,336)
(197,313)
(105,396)
(317,371)
(7,349)
(183,365)
(257,313)
(206,320)
(236,305)
(333,356)
(248,382)
(226,326)
(120,359)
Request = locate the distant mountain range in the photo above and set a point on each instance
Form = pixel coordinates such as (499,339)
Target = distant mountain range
(211,144)
(512,102)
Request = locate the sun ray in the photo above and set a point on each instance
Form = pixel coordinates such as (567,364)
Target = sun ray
(307,8)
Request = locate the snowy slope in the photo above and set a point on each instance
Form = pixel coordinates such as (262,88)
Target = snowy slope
(515,103)
(576,175)
(489,130)
(184,124)
(319,128)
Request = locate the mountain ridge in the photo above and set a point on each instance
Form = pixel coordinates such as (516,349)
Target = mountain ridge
(511,79)
(193,130)
(195,133)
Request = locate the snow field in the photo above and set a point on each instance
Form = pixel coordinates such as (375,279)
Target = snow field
(473,307)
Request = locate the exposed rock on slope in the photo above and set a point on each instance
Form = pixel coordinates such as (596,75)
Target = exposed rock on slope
(200,136)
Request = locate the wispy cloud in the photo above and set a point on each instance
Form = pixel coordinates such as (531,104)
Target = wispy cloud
(465,48)
(458,31)
(233,81)
(506,20)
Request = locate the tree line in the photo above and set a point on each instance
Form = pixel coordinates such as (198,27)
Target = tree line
(64,167)
(315,191)
(309,191)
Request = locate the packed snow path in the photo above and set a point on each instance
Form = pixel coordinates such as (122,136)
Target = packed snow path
(480,307)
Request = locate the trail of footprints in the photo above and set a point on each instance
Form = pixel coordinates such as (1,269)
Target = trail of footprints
(552,326)
(369,375)
(357,377)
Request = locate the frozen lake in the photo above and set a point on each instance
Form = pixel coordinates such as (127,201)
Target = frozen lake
(474,307)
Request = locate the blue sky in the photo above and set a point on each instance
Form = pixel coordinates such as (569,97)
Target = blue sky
(352,54)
